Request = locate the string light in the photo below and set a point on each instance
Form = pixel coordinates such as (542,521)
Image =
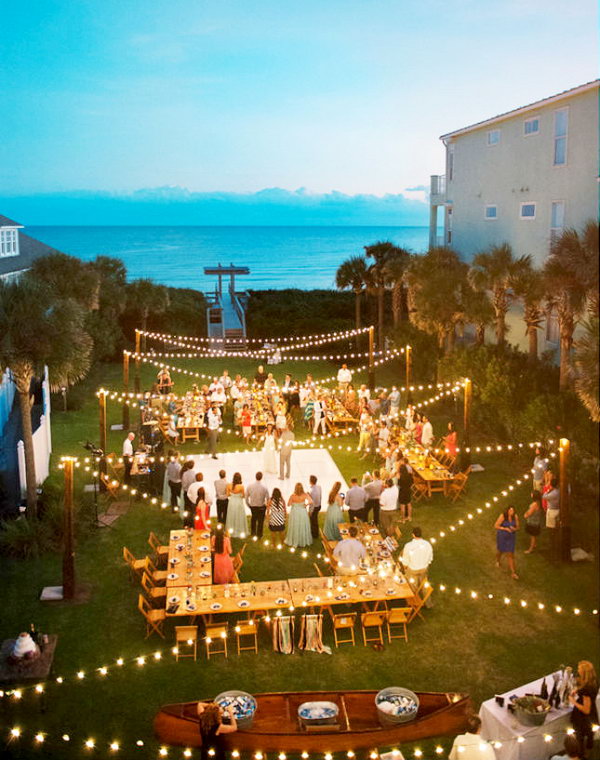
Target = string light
(338,335)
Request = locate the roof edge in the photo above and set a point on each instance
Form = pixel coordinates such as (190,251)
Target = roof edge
(524,109)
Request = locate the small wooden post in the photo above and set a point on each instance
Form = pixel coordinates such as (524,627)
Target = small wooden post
(125,390)
(68,565)
(466,441)
(102,411)
(136,381)
(565,493)
(371,366)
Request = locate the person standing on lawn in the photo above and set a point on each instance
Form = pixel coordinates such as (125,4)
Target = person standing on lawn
(507,526)
(417,555)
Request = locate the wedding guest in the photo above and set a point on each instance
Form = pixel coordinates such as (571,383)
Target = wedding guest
(221,497)
(540,465)
(552,499)
(583,700)
(344,378)
(201,518)
(223,571)
(260,376)
(246,420)
(269,451)
(192,491)
(507,526)
(188,476)
(418,428)
(226,380)
(335,514)
(174,479)
(298,532)
(213,423)
(405,484)
(319,415)
(533,520)
(351,401)
(427,434)
(165,384)
(451,440)
(394,399)
(286,444)
(349,553)
(235,523)
(365,425)
(570,750)
(355,501)
(128,456)
(315,508)
(417,555)
(276,512)
(256,498)
(388,505)
(373,488)
(212,728)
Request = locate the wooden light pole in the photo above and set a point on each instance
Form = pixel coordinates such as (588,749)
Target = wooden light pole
(371,366)
(68,565)
(136,381)
(102,445)
(466,442)
(408,354)
(565,494)
(125,390)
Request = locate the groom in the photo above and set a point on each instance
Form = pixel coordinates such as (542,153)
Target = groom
(286,443)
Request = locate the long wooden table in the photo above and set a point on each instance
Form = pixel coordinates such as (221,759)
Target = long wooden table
(242,598)
(435,476)
(370,591)
(190,559)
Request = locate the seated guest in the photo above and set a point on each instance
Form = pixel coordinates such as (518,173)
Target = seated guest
(165,384)
(220,544)
(570,750)
(349,553)
(212,728)
(471,746)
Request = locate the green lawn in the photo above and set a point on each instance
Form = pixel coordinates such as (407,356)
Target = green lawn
(482,645)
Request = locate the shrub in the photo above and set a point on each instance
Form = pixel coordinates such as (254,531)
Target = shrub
(24,538)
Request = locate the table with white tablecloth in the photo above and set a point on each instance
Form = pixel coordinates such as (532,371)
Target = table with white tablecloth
(498,724)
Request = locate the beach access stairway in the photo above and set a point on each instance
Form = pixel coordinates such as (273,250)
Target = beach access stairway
(226,320)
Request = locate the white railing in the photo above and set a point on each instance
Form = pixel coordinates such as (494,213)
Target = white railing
(438,184)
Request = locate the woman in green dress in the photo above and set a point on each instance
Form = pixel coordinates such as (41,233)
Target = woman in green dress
(236,523)
(299,532)
(335,514)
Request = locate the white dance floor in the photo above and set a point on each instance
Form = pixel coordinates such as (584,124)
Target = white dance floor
(305,462)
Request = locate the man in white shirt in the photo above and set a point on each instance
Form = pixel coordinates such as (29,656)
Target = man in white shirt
(344,378)
(225,380)
(471,746)
(388,507)
(427,433)
(174,479)
(192,492)
(349,553)
(128,456)
(394,399)
(416,558)
(213,423)
(364,392)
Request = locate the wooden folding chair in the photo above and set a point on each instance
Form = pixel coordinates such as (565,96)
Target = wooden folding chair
(246,629)
(417,602)
(458,484)
(157,576)
(153,592)
(188,635)
(136,566)
(343,622)
(110,485)
(326,541)
(418,489)
(373,620)
(154,618)
(216,639)
(161,551)
(318,569)
(398,617)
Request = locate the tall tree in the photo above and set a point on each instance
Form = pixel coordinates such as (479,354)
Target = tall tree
(145,297)
(381,252)
(579,253)
(436,283)
(478,311)
(566,294)
(68,278)
(37,329)
(396,268)
(352,275)
(528,287)
(493,271)
(586,368)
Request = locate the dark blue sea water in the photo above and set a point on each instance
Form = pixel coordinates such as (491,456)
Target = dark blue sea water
(278,257)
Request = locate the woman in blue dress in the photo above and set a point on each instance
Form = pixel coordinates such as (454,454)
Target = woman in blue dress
(507,526)
(334,515)
(236,523)
(299,532)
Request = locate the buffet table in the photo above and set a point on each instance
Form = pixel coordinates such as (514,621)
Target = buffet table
(498,724)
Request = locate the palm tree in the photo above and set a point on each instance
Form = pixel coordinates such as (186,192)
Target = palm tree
(36,330)
(494,271)
(436,281)
(145,297)
(566,294)
(579,252)
(68,278)
(352,275)
(586,368)
(528,287)
(478,311)
(396,268)
(381,252)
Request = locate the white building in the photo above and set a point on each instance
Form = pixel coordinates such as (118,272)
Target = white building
(17,250)
(520,177)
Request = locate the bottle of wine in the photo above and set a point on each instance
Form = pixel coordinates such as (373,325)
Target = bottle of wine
(33,633)
(544,690)
(553,693)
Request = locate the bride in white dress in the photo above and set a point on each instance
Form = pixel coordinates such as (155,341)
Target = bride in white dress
(269,451)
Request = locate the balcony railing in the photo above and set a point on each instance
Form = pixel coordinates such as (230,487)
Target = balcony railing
(438,184)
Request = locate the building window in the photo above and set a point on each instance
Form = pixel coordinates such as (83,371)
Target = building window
(493,137)
(557,220)
(528,210)
(9,242)
(450,169)
(531,126)
(491,212)
(561,127)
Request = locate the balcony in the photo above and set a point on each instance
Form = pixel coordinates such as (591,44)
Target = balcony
(438,189)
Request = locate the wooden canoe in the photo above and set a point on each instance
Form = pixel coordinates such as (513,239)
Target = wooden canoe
(276,728)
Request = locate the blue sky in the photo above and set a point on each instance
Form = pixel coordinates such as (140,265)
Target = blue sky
(237,95)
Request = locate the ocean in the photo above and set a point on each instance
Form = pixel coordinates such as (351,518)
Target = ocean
(278,257)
